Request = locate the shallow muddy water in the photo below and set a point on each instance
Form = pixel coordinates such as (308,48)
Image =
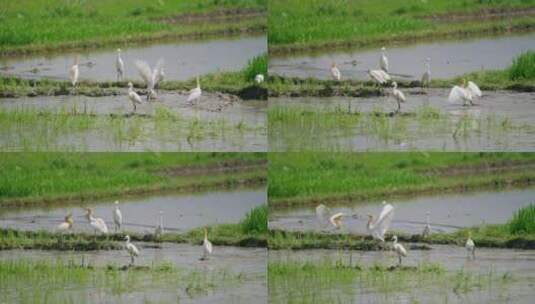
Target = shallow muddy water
(500,121)
(216,123)
(447,212)
(181,212)
(489,263)
(250,263)
(183,60)
(448,58)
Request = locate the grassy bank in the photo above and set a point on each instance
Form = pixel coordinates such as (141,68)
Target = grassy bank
(68,281)
(298,25)
(312,178)
(333,281)
(57,178)
(59,25)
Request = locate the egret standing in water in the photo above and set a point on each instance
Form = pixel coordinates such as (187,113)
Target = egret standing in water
(259,78)
(151,77)
(335,72)
(117,217)
(119,66)
(377,228)
(322,214)
(67,223)
(470,246)
(206,246)
(195,93)
(464,93)
(427,228)
(426,77)
(398,95)
(96,222)
(131,249)
(159,228)
(399,249)
(383,61)
(133,96)
(379,76)
(74,71)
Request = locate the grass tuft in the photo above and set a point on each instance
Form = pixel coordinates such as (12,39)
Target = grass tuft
(257,65)
(523,221)
(523,67)
(256,220)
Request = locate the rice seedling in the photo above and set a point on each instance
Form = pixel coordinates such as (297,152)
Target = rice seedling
(256,221)
(257,65)
(523,67)
(523,221)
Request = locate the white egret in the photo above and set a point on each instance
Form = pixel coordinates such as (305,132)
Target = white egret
(67,223)
(470,246)
(377,228)
(96,222)
(383,62)
(119,65)
(74,72)
(206,245)
(133,96)
(464,93)
(195,93)
(398,95)
(399,249)
(336,220)
(335,72)
(427,228)
(151,77)
(259,78)
(322,214)
(131,249)
(426,77)
(159,228)
(117,217)
(380,76)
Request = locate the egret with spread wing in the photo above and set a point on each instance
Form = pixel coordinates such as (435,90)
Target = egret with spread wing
(195,93)
(464,93)
(150,77)
(379,76)
(336,220)
(96,222)
(378,227)
(383,62)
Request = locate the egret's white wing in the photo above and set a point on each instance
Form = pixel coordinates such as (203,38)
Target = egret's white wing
(385,75)
(384,63)
(379,76)
(457,95)
(399,95)
(383,222)
(145,72)
(474,89)
(158,73)
(322,213)
(194,94)
(335,72)
(207,247)
(132,249)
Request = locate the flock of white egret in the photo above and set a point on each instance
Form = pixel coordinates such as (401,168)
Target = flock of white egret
(99,226)
(377,227)
(464,93)
(151,78)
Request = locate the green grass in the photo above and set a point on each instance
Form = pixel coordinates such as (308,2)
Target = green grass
(312,178)
(56,24)
(68,281)
(523,221)
(257,65)
(523,67)
(60,177)
(256,221)
(300,24)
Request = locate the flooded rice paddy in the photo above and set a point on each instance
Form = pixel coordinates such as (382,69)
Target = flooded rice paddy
(448,58)
(217,122)
(183,60)
(500,121)
(495,276)
(448,212)
(231,275)
(181,212)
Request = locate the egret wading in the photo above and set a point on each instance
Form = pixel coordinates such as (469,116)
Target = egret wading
(398,95)
(336,220)
(119,66)
(378,227)
(159,228)
(131,249)
(335,72)
(133,96)
(426,77)
(97,223)
(399,249)
(67,223)
(470,246)
(195,93)
(117,217)
(74,71)
(206,246)
(379,76)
